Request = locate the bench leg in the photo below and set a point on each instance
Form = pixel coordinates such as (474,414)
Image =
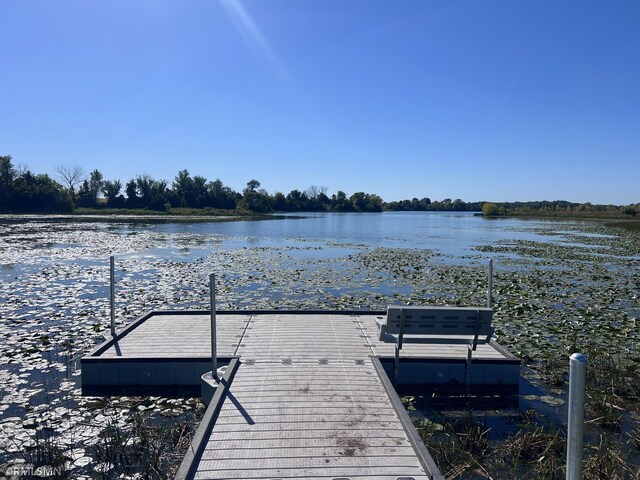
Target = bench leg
(468,366)
(396,365)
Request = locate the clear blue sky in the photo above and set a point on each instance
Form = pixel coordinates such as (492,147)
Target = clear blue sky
(479,100)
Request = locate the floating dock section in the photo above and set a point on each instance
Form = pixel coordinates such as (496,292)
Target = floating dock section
(305,394)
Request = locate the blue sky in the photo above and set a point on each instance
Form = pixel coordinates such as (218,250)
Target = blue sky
(479,100)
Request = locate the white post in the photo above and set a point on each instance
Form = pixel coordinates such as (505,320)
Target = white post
(214,356)
(575,424)
(112,294)
(490,287)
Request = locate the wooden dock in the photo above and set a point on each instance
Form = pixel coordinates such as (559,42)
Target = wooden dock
(305,394)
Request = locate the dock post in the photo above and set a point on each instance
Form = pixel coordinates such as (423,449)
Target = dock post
(214,354)
(490,286)
(112,294)
(575,423)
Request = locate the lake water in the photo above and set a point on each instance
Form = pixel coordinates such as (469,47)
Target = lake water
(454,237)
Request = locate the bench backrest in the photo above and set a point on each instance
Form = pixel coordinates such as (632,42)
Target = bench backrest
(440,320)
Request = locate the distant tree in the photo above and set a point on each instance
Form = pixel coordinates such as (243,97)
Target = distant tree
(279,202)
(221,196)
(312,192)
(84,198)
(131,190)
(89,190)
(365,202)
(183,189)
(458,205)
(200,192)
(153,194)
(317,199)
(71,176)
(340,202)
(96,180)
(111,191)
(323,202)
(490,209)
(39,193)
(252,185)
(255,200)
(297,201)
(7,176)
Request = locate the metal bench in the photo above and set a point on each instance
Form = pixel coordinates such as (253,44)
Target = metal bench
(435,325)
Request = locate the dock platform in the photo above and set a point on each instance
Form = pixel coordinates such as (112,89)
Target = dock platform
(305,395)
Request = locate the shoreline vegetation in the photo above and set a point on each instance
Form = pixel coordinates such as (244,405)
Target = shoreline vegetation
(76,193)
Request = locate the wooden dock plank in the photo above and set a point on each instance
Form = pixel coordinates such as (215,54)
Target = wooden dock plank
(296,451)
(304,442)
(325,473)
(282,436)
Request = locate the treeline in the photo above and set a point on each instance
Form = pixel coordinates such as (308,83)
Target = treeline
(425,204)
(22,191)
(558,207)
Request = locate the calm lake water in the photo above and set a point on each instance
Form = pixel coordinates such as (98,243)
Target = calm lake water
(450,234)
(453,236)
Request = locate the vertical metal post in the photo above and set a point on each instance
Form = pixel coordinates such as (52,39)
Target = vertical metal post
(396,365)
(112,294)
(575,424)
(214,354)
(490,287)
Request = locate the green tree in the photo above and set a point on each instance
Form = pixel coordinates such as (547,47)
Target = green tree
(221,196)
(131,190)
(200,192)
(252,185)
(183,189)
(111,191)
(39,193)
(490,209)
(84,197)
(279,202)
(95,185)
(153,194)
(7,175)
(296,201)
(340,202)
(365,202)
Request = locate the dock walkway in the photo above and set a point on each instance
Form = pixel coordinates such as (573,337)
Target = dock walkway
(307,403)
(305,395)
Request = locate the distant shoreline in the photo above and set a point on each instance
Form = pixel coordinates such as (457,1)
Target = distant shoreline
(612,219)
